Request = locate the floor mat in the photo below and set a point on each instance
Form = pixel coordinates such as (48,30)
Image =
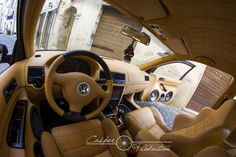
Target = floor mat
(168,112)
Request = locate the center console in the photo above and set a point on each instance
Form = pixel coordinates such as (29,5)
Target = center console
(111,110)
(116,95)
(118,80)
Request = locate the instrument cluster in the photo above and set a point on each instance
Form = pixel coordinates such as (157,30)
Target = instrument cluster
(74,65)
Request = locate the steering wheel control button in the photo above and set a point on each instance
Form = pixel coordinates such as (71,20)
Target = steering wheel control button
(83,88)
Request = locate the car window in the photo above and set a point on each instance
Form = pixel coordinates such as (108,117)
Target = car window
(173,70)
(212,86)
(95,26)
(7,32)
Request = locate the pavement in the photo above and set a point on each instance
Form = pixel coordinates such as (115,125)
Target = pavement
(3,67)
(9,41)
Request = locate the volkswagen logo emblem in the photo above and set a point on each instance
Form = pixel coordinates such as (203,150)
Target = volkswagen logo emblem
(83,88)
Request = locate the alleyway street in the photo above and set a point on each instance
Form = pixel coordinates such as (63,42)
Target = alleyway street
(8,40)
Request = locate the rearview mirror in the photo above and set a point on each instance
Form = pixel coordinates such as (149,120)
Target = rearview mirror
(136,35)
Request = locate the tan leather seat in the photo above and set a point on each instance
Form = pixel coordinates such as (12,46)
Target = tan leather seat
(189,135)
(213,151)
(148,119)
(70,140)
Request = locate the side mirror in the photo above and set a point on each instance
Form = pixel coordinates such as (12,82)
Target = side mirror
(136,35)
(3,58)
(3,53)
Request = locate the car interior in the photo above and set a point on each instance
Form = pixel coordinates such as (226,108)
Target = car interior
(77,103)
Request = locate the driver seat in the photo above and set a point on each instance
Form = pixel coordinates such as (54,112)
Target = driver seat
(70,140)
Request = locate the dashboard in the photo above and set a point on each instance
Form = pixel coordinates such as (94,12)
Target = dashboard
(124,75)
(127,78)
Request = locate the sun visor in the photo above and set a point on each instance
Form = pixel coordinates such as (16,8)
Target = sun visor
(177,45)
(144,9)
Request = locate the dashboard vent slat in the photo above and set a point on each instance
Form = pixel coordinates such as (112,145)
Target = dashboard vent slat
(146,78)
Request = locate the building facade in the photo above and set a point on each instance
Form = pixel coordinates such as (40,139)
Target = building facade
(57,25)
(8,17)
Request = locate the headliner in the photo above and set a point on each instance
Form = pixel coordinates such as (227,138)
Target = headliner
(203,30)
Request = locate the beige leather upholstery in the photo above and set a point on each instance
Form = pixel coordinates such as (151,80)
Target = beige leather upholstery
(213,151)
(189,134)
(144,135)
(210,127)
(49,146)
(70,140)
(158,154)
(232,152)
(158,118)
(146,119)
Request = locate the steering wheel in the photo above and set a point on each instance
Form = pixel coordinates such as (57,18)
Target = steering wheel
(77,88)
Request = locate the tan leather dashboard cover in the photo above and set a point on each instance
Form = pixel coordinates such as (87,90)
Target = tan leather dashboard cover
(135,78)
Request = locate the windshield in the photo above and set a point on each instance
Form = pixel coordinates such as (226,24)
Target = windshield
(95,26)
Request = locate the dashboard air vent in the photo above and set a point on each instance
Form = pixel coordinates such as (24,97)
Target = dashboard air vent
(146,78)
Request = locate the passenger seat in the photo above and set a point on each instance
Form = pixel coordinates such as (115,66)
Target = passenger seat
(147,118)
(189,134)
(213,151)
